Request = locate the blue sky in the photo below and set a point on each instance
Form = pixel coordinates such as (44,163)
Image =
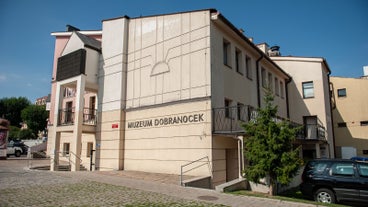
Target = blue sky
(334,29)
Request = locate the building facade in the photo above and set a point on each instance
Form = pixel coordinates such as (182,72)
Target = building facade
(350,116)
(163,94)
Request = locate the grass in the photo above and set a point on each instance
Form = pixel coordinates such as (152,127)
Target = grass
(292,195)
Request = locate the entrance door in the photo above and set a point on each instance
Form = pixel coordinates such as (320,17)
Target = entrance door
(232,168)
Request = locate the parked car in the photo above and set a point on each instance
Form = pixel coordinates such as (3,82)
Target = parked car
(361,159)
(11,149)
(21,145)
(335,180)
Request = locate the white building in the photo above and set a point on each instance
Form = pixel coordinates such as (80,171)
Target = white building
(168,89)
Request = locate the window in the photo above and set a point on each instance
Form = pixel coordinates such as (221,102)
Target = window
(365,152)
(241,111)
(263,75)
(277,87)
(364,123)
(311,128)
(342,169)
(341,92)
(341,124)
(227,108)
(269,81)
(66,149)
(363,169)
(308,89)
(227,53)
(248,65)
(89,149)
(238,61)
(282,89)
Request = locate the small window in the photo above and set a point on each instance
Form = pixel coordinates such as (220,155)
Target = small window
(269,81)
(241,111)
(341,124)
(248,65)
(227,53)
(238,61)
(264,80)
(227,108)
(308,89)
(341,92)
(277,87)
(364,123)
(282,89)
(365,152)
(342,169)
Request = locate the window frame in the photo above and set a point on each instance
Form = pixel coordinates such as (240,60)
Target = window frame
(341,90)
(238,61)
(306,88)
(226,52)
(248,67)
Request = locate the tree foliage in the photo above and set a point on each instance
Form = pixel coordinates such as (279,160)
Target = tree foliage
(35,117)
(269,147)
(10,109)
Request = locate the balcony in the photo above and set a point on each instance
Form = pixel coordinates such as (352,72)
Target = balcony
(228,121)
(67,117)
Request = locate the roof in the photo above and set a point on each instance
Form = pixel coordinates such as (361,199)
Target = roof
(89,41)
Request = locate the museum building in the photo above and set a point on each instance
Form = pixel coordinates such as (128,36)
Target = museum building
(168,93)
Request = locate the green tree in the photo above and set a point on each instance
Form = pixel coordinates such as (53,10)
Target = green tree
(27,134)
(10,109)
(269,147)
(13,133)
(35,117)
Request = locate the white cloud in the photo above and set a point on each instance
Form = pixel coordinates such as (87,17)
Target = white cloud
(2,78)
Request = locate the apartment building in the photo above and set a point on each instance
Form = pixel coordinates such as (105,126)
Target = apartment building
(350,116)
(163,93)
(309,103)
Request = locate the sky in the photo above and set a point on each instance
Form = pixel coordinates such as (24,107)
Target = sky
(336,30)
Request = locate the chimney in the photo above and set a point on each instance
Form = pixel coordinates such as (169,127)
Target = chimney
(365,72)
(274,51)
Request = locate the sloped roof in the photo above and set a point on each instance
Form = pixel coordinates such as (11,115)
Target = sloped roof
(89,41)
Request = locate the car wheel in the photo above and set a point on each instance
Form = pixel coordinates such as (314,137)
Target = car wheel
(324,195)
(17,153)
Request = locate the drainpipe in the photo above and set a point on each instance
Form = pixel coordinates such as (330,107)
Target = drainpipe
(258,84)
(240,155)
(287,98)
(332,122)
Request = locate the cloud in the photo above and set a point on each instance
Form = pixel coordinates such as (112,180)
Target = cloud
(3,78)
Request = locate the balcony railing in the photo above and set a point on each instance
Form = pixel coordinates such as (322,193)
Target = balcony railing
(228,120)
(67,116)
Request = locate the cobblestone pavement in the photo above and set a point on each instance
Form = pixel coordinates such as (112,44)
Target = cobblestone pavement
(20,186)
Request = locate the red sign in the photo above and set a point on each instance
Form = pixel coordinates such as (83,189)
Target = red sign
(115,126)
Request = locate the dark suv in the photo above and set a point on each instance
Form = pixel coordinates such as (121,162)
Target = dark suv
(334,180)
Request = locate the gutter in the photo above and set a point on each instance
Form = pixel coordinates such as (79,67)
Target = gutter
(258,81)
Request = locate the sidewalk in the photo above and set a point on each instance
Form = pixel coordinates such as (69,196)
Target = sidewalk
(23,187)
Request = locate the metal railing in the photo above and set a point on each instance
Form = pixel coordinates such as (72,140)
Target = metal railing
(203,161)
(67,116)
(230,119)
(68,156)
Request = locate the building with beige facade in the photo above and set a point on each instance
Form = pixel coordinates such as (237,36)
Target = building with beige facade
(350,116)
(165,94)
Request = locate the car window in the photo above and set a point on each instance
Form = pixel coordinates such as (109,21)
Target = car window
(363,169)
(342,169)
(317,167)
